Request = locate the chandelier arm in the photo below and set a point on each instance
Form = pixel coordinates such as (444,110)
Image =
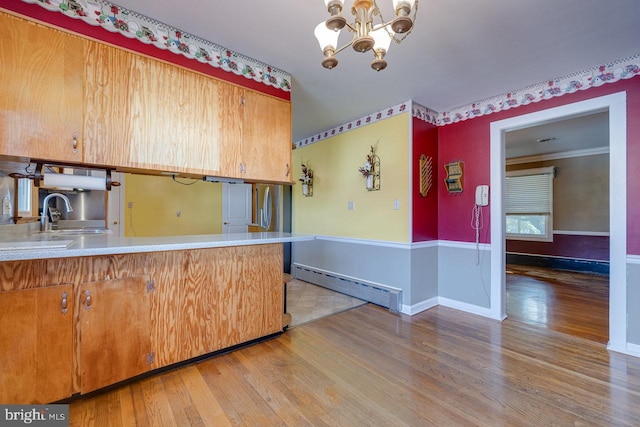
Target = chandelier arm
(351,27)
(342,48)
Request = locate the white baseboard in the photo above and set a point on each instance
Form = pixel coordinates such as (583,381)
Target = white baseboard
(419,307)
(631,350)
(463,306)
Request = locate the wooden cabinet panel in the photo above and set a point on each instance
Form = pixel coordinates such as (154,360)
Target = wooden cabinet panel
(41,91)
(115,331)
(36,345)
(248,294)
(204,300)
(262,291)
(146,114)
(267,138)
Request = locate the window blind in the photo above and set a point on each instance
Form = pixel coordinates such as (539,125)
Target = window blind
(530,194)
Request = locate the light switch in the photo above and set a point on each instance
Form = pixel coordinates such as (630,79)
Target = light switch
(351,206)
(396,204)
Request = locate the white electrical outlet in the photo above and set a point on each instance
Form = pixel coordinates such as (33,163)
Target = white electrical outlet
(396,204)
(351,206)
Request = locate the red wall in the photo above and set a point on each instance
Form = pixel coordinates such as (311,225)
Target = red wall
(59,20)
(425,209)
(469,141)
(594,248)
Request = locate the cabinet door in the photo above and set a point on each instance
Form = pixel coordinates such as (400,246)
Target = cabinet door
(145,114)
(266,138)
(248,294)
(36,345)
(41,91)
(115,331)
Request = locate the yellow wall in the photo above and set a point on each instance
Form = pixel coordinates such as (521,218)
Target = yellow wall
(157,199)
(335,162)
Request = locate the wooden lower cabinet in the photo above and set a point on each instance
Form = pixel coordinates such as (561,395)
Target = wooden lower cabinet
(115,331)
(129,314)
(222,297)
(36,344)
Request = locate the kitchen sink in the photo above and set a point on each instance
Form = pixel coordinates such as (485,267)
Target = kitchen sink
(77,231)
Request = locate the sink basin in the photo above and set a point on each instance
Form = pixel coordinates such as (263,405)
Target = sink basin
(35,245)
(77,231)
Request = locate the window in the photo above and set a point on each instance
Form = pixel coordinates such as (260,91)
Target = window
(24,197)
(529,204)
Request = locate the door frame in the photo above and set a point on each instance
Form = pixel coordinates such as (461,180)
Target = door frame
(616,105)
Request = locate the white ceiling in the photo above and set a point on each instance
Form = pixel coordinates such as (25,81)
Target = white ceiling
(585,132)
(460,51)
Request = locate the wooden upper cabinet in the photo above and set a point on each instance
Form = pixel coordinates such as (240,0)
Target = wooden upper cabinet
(266,138)
(146,114)
(36,345)
(41,91)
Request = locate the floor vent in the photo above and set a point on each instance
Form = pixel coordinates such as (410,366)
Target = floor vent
(375,293)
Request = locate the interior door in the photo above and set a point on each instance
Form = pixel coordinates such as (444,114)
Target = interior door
(236,208)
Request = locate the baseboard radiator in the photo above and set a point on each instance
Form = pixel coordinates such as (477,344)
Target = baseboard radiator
(375,293)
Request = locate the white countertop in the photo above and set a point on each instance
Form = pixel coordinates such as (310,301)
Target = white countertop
(43,246)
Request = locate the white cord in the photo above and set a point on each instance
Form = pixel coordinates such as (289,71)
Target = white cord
(477,223)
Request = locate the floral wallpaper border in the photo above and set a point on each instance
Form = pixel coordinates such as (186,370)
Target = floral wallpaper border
(134,25)
(360,122)
(594,77)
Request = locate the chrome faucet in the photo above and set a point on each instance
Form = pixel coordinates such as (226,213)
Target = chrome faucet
(44,219)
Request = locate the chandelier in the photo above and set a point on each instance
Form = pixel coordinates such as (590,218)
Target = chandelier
(367,35)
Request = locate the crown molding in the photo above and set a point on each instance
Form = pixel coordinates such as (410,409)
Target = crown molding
(556,156)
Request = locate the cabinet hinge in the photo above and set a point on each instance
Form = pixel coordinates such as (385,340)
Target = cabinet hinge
(151,358)
(151,285)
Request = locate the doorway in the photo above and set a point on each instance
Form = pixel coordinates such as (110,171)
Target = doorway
(615,104)
(557,225)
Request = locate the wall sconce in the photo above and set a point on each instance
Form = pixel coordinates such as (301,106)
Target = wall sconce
(370,171)
(307,181)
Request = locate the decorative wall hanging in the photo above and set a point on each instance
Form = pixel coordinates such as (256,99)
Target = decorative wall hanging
(370,171)
(307,181)
(453,179)
(426,174)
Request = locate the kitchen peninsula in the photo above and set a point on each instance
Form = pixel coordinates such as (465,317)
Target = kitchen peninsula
(82,312)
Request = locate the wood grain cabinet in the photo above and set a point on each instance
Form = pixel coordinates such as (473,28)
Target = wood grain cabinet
(145,114)
(266,138)
(36,344)
(78,101)
(115,331)
(41,91)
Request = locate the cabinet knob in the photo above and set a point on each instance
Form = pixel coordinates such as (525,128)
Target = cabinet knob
(287,170)
(74,143)
(87,300)
(64,303)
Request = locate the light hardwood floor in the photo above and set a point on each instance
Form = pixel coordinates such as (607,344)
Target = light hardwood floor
(564,301)
(367,366)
